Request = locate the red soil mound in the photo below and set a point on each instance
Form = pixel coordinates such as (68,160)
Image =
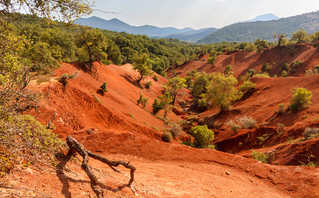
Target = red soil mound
(119,129)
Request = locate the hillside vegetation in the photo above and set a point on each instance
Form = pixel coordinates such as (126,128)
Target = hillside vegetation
(249,32)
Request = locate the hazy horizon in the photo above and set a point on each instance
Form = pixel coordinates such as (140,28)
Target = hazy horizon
(197,14)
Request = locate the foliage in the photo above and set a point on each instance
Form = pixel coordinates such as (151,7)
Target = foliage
(247,122)
(300,99)
(167,137)
(175,129)
(155,78)
(233,125)
(156,106)
(261,45)
(142,64)
(165,104)
(63,10)
(300,36)
(296,64)
(142,100)
(104,87)
(250,47)
(91,45)
(173,86)
(262,157)
(266,67)
(200,84)
(247,86)
(203,136)
(228,70)
(212,59)
(311,133)
(148,84)
(221,92)
(281,109)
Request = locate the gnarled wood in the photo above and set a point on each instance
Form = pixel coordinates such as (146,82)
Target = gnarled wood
(76,147)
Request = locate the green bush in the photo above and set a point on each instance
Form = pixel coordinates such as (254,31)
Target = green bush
(156,106)
(233,125)
(155,78)
(211,60)
(203,136)
(142,101)
(103,87)
(148,84)
(167,137)
(300,99)
(311,133)
(266,67)
(262,157)
(247,122)
(247,86)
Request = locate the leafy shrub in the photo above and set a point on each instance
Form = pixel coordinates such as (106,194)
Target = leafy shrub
(228,70)
(211,60)
(155,78)
(251,72)
(262,157)
(103,87)
(175,129)
(250,47)
(284,73)
(148,84)
(311,133)
(247,122)
(64,79)
(296,64)
(266,67)
(156,106)
(285,67)
(247,86)
(300,99)
(203,136)
(262,75)
(233,125)
(167,137)
(281,108)
(142,101)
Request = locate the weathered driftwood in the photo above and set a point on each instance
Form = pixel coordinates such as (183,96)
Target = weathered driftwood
(76,147)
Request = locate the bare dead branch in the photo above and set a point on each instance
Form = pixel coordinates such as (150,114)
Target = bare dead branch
(76,147)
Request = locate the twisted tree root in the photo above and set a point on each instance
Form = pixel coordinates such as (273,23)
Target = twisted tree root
(76,147)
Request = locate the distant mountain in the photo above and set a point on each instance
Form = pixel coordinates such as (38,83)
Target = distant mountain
(250,31)
(193,36)
(264,17)
(120,26)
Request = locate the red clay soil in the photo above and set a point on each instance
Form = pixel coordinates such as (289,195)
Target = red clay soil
(244,61)
(118,129)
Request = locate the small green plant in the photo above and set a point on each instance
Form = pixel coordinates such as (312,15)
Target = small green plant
(247,122)
(148,84)
(309,163)
(263,138)
(175,129)
(311,133)
(103,87)
(247,86)
(262,157)
(264,74)
(97,99)
(228,70)
(266,67)
(296,64)
(284,73)
(233,125)
(203,136)
(281,109)
(155,78)
(142,101)
(156,106)
(280,129)
(300,99)
(212,59)
(64,79)
(167,137)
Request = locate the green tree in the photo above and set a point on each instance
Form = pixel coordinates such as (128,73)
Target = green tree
(200,84)
(143,65)
(300,99)
(228,70)
(91,46)
(203,136)
(175,85)
(156,106)
(260,45)
(221,92)
(166,100)
(281,39)
(300,36)
(62,10)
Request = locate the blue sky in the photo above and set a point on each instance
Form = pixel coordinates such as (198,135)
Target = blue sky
(198,13)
